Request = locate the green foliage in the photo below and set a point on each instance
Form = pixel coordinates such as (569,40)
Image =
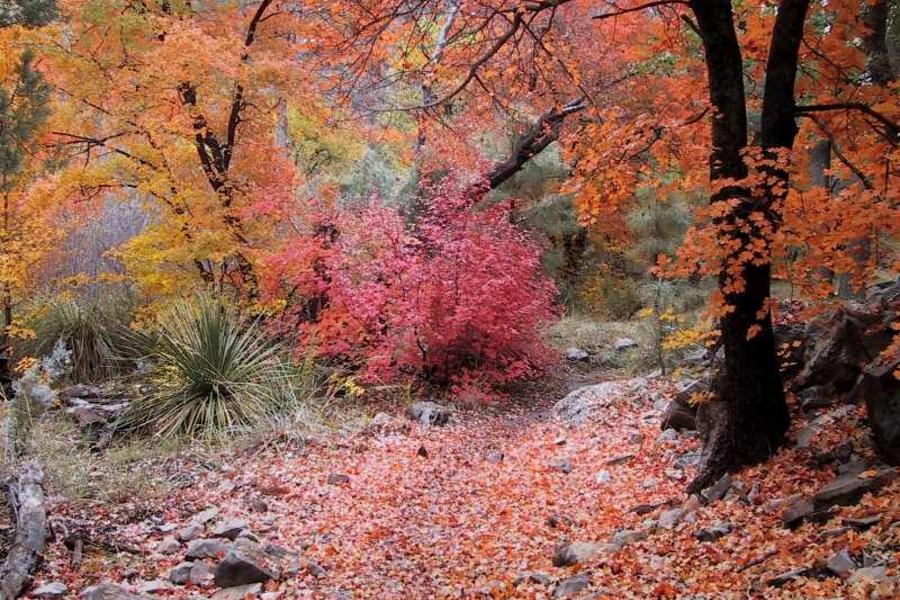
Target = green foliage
(218,373)
(96,334)
(31,13)
(22,111)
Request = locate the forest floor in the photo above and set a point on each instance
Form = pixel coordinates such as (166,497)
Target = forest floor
(480,507)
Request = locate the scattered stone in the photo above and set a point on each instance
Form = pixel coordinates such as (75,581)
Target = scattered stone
(571,586)
(386,423)
(650,483)
(206,548)
(563,466)
(669,435)
(577,406)
(201,573)
(238,593)
(180,573)
(603,477)
(644,509)
(560,440)
(204,517)
(875,574)
(574,554)
(848,489)
(670,518)
(818,396)
(338,479)
(713,533)
(243,564)
(717,491)
(81,391)
(636,438)
(229,528)
(675,474)
(109,591)
(835,532)
(430,413)
(863,523)
(54,589)
(190,532)
(624,538)
(787,577)
(805,435)
(536,577)
(841,564)
(155,586)
(619,460)
(494,457)
(422,452)
(679,416)
(880,387)
(690,459)
(169,545)
(574,354)
(316,570)
(624,343)
(797,511)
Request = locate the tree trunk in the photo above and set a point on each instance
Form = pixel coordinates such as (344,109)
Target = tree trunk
(755,416)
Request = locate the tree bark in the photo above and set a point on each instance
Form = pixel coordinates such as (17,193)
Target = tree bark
(755,416)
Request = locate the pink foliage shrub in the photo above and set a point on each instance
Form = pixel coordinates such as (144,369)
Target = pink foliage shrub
(457,300)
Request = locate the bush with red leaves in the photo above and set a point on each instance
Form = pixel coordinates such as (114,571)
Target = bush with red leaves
(456,300)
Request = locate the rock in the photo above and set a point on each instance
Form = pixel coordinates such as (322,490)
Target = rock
(205,516)
(624,343)
(89,416)
(717,491)
(168,545)
(670,518)
(574,354)
(624,538)
(109,591)
(190,532)
(54,589)
(494,457)
(848,489)
(679,416)
(650,483)
(180,573)
(619,460)
(385,423)
(430,413)
(536,577)
(316,570)
(690,459)
(805,435)
(841,564)
(577,406)
(244,564)
(787,577)
(422,452)
(818,396)
(571,586)
(863,523)
(797,511)
(713,532)
(201,573)
(81,391)
(338,479)
(563,466)
(206,548)
(574,554)
(881,390)
(644,509)
(669,435)
(603,477)
(689,389)
(155,586)
(238,593)
(229,528)
(875,574)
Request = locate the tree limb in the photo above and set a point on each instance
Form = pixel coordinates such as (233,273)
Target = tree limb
(26,497)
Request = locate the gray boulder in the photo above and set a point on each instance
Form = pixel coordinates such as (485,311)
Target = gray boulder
(430,413)
(244,564)
(571,586)
(574,554)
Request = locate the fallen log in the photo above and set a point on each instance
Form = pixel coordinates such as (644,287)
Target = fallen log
(26,500)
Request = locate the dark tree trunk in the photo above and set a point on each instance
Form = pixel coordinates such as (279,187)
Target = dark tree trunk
(754,417)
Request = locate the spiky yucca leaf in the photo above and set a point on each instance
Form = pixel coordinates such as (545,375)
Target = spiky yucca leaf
(224,374)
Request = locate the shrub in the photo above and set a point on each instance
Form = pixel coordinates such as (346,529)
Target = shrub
(95,334)
(458,300)
(217,373)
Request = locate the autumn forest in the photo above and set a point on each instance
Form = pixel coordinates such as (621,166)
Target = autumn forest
(449,299)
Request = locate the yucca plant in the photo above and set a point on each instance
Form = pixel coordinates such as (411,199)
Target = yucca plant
(91,333)
(218,373)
